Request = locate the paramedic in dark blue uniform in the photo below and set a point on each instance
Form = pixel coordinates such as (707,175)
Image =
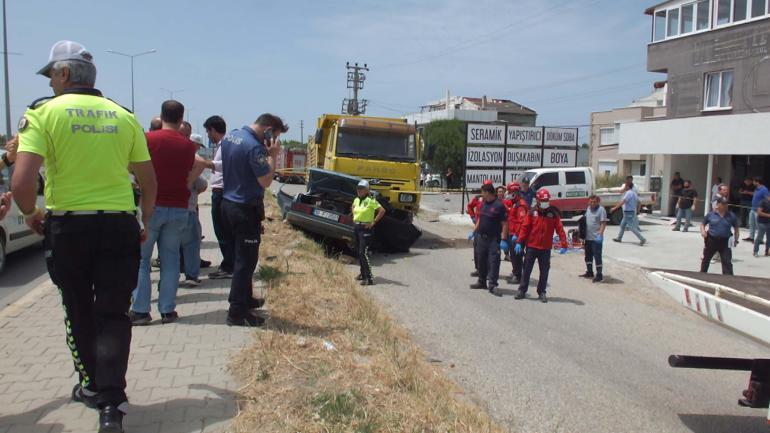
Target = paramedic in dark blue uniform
(248,165)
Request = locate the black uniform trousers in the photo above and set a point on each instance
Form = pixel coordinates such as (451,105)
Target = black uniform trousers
(593,253)
(517,262)
(224,237)
(244,222)
(717,245)
(543,258)
(94,261)
(487,252)
(363,243)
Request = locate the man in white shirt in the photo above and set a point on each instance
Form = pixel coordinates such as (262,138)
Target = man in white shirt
(216,128)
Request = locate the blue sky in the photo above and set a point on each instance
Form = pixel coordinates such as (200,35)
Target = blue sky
(238,59)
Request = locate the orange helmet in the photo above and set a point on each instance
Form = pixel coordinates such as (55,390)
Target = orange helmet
(514,187)
(488,182)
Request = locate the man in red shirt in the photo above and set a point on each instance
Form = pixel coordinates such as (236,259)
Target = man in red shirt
(517,213)
(537,234)
(172,158)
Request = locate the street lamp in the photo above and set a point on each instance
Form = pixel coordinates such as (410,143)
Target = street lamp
(171,92)
(131,56)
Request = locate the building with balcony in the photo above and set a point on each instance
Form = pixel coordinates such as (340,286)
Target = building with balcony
(714,54)
(471,109)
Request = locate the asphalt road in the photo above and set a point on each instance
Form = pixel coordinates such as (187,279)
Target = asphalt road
(594,359)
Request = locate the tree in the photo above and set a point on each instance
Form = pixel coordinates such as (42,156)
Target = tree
(293,145)
(445,146)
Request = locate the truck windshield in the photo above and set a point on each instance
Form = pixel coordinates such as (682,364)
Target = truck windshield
(376,145)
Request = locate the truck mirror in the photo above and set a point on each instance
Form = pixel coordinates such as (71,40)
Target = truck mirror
(319,135)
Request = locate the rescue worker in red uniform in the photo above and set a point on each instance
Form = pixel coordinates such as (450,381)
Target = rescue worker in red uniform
(517,213)
(473,208)
(537,235)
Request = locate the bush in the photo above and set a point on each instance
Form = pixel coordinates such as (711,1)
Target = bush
(609,181)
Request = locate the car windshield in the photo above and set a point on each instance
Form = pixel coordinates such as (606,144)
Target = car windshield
(376,145)
(528,176)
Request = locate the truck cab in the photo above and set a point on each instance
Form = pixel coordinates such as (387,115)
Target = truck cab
(384,151)
(569,187)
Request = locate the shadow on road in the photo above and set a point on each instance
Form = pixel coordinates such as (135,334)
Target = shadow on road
(699,423)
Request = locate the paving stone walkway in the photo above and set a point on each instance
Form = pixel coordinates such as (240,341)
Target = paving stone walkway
(177,377)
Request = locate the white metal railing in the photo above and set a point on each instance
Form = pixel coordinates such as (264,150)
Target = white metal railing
(719,289)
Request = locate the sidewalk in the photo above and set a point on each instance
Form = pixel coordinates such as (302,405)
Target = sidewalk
(177,377)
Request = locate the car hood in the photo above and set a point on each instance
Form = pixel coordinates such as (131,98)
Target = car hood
(330,182)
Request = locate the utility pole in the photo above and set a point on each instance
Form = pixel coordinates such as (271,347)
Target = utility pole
(7,86)
(302,131)
(132,56)
(356,78)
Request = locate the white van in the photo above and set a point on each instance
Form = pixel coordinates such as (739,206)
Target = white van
(14,233)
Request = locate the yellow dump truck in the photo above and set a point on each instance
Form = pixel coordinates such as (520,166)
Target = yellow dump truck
(345,149)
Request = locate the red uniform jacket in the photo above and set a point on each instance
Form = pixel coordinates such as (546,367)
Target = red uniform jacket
(538,228)
(517,213)
(474,206)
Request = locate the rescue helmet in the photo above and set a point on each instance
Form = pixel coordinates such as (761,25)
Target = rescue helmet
(514,187)
(543,195)
(488,182)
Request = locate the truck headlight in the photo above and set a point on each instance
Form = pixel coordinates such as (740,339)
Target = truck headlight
(406,198)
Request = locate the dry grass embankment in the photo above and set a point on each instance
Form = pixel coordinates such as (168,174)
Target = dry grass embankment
(330,358)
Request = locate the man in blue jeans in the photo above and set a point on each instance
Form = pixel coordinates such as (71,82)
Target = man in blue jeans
(684,206)
(172,158)
(629,203)
(760,193)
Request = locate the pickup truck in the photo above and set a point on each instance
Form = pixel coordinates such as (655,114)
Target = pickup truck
(571,187)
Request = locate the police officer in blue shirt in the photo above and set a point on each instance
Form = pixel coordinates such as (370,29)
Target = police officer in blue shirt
(248,165)
(720,223)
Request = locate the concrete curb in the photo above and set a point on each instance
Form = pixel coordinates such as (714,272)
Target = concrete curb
(17,307)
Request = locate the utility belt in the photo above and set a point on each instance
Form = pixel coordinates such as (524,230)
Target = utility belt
(486,236)
(362,224)
(61,213)
(219,190)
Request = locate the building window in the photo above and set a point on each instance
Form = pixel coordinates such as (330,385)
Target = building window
(673,23)
(704,12)
(758,8)
(740,9)
(723,11)
(718,93)
(688,13)
(608,136)
(660,26)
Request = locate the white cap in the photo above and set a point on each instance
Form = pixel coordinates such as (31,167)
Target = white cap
(363,184)
(66,50)
(196,138)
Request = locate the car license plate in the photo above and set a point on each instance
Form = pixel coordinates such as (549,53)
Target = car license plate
(326,215)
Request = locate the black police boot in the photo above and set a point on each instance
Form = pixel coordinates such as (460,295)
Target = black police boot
(588,274)
(542,298)
(493,289)
(79,396)
(359,277)
(110,420)
(520,294)
(256,303)
(475,274)
(479,285)
(598,278)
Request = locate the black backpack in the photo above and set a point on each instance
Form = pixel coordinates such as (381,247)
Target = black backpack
(582,227)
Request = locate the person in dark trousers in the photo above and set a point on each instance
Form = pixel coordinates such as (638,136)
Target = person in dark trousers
(629,203)
(721,223)
(92,236)
(473,208)
(517,213)
(367,212)
(537,235)
(746,194)
(248,164)
(760,193)
(216,128)
(491,233)
(763,226)
(596,222)
(684,206)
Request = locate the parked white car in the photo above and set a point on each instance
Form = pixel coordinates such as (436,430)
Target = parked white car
(14,233)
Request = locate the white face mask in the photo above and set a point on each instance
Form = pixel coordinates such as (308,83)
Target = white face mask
(544,205)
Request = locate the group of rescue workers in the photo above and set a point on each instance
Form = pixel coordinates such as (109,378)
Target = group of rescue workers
(504,221)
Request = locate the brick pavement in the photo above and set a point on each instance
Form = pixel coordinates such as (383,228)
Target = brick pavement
(177,378)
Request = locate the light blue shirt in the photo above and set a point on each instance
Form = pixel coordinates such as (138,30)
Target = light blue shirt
(630,201)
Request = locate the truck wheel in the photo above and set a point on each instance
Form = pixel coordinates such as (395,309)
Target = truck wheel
(616,217)
(2,253)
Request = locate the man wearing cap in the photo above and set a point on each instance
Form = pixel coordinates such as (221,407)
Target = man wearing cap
(92,236)
(491,235)
(517,213)
(367,212)
(720,223)
(248,166)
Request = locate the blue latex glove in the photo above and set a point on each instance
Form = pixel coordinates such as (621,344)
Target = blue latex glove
(599,238)
(517,249)
(471,235)
(514,238)
(504,245)
(563,251)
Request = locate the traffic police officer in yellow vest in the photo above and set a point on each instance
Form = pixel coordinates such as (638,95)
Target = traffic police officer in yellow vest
(367,212)
(92,236)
